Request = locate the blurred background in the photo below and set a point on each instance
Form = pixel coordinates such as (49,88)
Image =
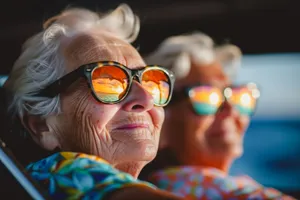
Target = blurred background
(268,33)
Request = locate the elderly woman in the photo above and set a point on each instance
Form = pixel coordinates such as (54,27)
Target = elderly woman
(205,122)
(80,88)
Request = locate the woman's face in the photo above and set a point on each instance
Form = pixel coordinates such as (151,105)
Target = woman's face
(206,139)
(127,132)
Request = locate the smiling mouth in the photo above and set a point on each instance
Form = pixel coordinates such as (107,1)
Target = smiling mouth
(132,126)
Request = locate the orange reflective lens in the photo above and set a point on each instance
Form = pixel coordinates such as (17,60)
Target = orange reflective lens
(156,82)
(109,83)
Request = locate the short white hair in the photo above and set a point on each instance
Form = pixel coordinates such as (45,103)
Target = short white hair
(41,63)
(177,53)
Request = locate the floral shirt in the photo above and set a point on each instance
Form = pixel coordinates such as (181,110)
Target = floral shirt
(68,175)
(201,183)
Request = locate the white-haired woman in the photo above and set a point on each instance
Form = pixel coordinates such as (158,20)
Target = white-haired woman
(205,122)
(81,89)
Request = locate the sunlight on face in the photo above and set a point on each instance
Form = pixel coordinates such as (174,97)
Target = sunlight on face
(109,130)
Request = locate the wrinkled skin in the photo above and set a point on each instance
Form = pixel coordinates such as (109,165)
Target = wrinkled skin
(88,126)
(209,141)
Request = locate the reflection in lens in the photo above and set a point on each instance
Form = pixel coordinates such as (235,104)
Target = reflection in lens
(156,82)
(153,89)
(214,98)
(243,100)
(206,94)
(109,83)
(205,99)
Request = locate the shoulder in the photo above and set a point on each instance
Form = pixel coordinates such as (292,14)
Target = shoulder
(210,183)
(76,175)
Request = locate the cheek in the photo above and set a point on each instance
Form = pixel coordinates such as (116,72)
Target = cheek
(85,113)
(157,115)
(82,105)
(102,114)
(197,125)
(245,120)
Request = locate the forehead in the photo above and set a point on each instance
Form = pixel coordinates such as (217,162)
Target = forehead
(212,74)
(99,46)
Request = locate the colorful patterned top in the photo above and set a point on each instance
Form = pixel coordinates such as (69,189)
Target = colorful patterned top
(198,183)
(70,175)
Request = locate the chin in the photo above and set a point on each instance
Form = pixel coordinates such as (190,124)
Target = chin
(237,152)
(144,150)
(232,146)
(229,150)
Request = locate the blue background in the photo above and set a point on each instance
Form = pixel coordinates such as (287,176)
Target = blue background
(272,142)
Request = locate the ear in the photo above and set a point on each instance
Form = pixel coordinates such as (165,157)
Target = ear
(229,57)
(40,132)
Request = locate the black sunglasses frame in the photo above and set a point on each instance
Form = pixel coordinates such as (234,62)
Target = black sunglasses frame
(86,72)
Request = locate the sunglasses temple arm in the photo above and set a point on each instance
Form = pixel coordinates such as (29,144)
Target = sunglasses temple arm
(61,84)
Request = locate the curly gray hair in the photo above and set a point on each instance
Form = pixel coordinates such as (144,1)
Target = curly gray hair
(178,52)
(40,63)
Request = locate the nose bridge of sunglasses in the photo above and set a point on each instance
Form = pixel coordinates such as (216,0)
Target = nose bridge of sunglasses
(135,77)
(135,74)
(227,93)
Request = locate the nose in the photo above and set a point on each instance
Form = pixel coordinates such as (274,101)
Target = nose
(227,110)
(138,99)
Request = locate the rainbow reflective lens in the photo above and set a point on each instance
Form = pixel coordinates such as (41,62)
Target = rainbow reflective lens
(206,100)
(111,82)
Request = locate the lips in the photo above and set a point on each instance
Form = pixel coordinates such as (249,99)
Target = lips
(131,123)
(132,126)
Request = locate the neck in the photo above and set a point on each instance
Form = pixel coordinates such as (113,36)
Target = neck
(132,168)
